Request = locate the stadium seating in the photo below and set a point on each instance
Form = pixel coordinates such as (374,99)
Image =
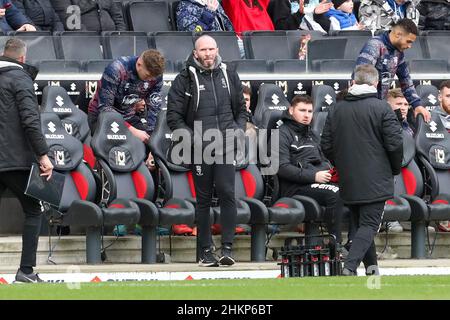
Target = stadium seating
(121,164)
(429,95)
(55,99)
(148,16)
(177,179)
(433,149)
(77,207)
(427,66)
(438,47)
(289,66)
(267,45)
(124,43)
(96,66)
(41,47)
(250,66)
(59,66)
(83,45)
(324,99)
(294,37)
(271,104)
(175,46)
(325,49)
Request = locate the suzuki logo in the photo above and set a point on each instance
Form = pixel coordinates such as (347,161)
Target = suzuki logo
(114,127)
(300,86)
(36,86)
(51,127)
(275,99)
(59,101)
(433,126)
(73,86)
(336,86)
(328,99)
(432,99)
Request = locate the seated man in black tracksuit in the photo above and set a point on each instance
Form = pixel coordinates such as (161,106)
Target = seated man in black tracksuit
(304,170)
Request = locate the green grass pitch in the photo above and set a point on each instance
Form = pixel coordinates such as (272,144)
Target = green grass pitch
(387,287)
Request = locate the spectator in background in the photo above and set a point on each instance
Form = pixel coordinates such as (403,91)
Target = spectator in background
(96,15)
(202,15)
(248,15)
(434,14)
(376,17)
(303,168)
(286,14)
(11,19)
(41,13)
(366,176)
(342,17)
(386,53)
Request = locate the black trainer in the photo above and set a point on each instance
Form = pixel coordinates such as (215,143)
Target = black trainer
(348,272)
(227,256)
(207,259)
(27,278)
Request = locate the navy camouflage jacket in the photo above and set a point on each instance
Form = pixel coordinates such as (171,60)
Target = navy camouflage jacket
(192,15)
(389,61)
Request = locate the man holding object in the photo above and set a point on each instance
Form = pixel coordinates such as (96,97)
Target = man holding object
(22,143)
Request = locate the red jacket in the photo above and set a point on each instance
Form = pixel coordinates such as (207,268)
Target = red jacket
(246,18)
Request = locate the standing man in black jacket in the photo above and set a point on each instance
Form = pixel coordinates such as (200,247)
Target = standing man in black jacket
(207,97)
(22,143)
(363,137)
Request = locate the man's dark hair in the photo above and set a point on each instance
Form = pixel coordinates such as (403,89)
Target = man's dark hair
(247,90)
(407,25)
(301,99)
(154,62)
(444,84)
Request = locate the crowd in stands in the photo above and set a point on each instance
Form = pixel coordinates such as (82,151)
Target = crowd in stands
(228,15)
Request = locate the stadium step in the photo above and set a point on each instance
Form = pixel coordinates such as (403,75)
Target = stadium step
(71,249)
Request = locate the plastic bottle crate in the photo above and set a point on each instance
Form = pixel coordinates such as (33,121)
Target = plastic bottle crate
(302,259)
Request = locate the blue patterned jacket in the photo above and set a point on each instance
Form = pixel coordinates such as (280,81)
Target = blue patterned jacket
(192,15)
(389,61)
(119,81)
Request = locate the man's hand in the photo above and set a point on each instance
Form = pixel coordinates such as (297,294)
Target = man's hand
(212,4)
(27,27)
(140,134)
(323,176)
(139,106)
(2,13)
(423,111)
(323,7)
(46,167)
(150,162)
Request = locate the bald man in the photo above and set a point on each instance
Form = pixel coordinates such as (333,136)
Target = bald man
(211,95)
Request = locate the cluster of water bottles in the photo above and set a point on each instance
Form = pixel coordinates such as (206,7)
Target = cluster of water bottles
(301,260)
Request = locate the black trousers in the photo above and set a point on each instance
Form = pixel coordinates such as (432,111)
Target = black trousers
(16,181)
(368,218)
(326,195)
(222,177)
